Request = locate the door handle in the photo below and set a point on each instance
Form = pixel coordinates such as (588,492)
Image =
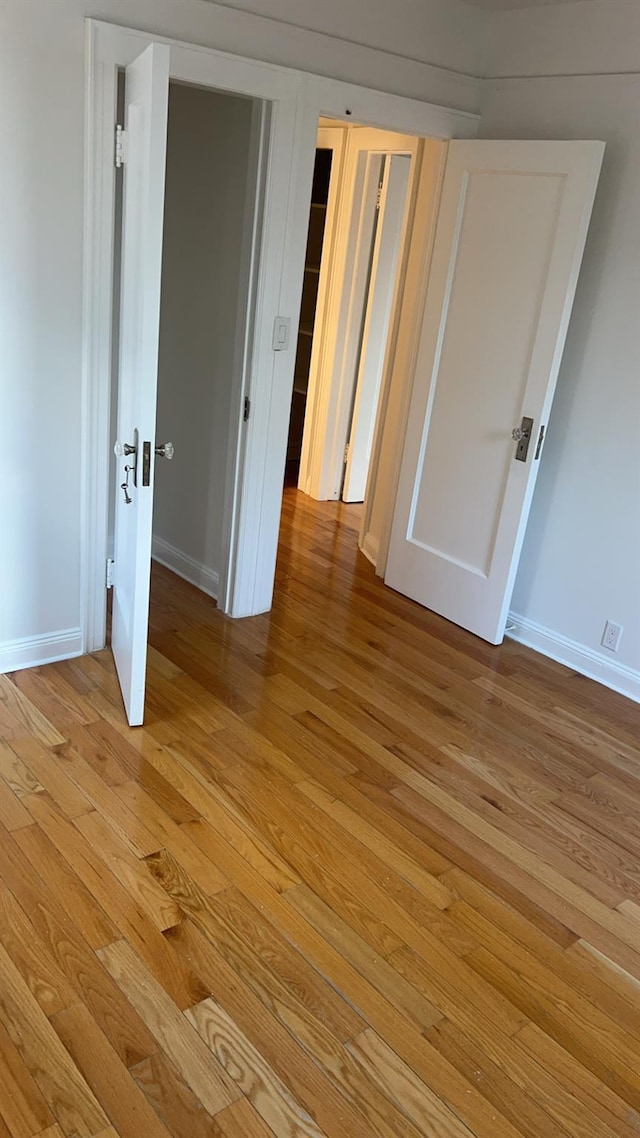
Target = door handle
(121,449)
(522,436)
(165,450)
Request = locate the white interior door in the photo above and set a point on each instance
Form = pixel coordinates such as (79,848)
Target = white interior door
(510,236)
(146,101)
(382,283)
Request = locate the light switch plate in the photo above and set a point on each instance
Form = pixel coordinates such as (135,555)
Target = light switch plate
(281,333)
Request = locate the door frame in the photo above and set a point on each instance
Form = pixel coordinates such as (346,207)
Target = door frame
(332,386)
(391,235)
(298,100)
(333,138)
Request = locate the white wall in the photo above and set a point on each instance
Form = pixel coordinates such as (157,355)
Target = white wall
(42,97)
(208,154)
(581,560)
(591,37)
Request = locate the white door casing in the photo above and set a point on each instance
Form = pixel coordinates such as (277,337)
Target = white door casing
(146,103)
(510,235)
(331,390)
(333,138)
(382,290)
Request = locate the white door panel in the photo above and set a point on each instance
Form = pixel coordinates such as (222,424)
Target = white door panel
(509,241)
(146,100)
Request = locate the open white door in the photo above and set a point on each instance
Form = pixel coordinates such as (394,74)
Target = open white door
(511,230)
(382,286)
(146,100)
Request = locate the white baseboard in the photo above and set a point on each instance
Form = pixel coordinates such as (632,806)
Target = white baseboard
(30,651)
(577,656)
(186,567)
(370,548)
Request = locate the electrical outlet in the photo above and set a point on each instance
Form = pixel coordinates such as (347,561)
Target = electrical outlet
(611,636)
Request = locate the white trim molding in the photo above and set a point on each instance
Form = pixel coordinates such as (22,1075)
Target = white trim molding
(186,567)
(369,548)
(31,651)
(580,658)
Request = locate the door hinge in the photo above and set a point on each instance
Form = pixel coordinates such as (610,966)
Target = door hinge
(346,453)
(121,146)
(109,573)
(247,409)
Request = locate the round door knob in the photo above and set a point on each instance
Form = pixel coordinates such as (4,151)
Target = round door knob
(165,450)
(121,449)
(517,434)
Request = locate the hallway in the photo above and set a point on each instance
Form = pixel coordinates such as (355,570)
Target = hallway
(360,874)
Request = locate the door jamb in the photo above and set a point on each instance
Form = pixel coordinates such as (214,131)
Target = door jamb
(298,99)
(331,387)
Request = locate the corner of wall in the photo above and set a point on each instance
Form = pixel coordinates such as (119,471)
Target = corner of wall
(186,567)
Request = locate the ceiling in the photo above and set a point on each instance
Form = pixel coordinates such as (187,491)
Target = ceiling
(505,5)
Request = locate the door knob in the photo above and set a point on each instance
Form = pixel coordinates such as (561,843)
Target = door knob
(522,436)
(165,450)
(121,449)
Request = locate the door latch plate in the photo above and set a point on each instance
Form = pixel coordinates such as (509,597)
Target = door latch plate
(146,463)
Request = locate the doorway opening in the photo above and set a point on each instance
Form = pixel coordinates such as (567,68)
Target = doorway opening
(360,220)
(212,211)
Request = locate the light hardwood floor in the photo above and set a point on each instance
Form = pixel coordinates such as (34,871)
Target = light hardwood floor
(361,875)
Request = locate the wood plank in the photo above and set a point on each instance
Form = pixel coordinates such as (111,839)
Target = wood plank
(118,904)
(72,955)
(119,1095)
(16,775)
(173,1101)
(271,1098)
(67,796)
(390,1022)
(241,1120)
(12,812)
(181,1044)
(23,712)
(468,1056)
(401,1084)
(499,929)
(398,991)
(390,854)
(45,980)
(106,802)
(286,984)
(170,836)
(309,1062)
(130,871)
(65,885)
(70,1100)
(22,1106)
(612,1110)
